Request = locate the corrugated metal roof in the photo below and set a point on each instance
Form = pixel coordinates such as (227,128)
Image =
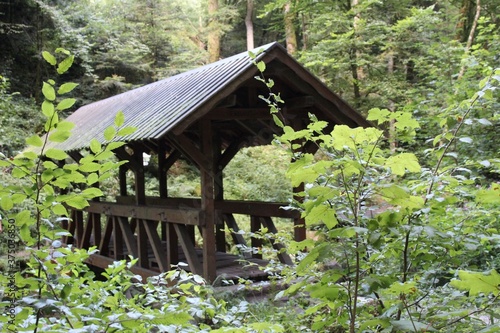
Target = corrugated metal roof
(157,108)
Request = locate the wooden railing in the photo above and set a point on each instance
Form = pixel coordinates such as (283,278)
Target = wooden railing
(122,228)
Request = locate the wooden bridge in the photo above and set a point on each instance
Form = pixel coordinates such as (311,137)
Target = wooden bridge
(204,116)
(162,233)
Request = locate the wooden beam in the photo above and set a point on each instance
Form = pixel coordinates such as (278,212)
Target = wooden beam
(172,245)
(238,238)
(218,181)
(118,241)
(156,245)
(105,240)
(162,171)
(207,200)
(122,179)
(282,255)
(256,242)
(229,153)
(255,208)
(184,216)
(187,147)
(142,244)
(128,235)
(188,248)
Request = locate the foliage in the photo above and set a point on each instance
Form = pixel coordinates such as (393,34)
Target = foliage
(390,233)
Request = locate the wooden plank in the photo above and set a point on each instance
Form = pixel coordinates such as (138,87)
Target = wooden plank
(122,179)
(142,244)
(188,148)
(282,255)
(128,235)
(106,238)
(85,241)
(184,216)
(117,240)
(210,149)
(96,220)
(156,245)
(256,242)
(238,238)
(188,248)
(172,245)
(169,203)
(255,208)
(79,227)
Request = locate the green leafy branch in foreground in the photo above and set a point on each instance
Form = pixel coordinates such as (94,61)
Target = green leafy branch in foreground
(57,292)
(388,231)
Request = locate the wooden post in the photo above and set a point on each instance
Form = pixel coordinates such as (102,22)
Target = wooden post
(140,199)
(220,235)
(207,201)
(299,224)
(122,175)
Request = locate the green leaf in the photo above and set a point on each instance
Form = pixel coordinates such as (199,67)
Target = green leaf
(402,162)
(48,92)
(60,210)
(322,213)
(62,50)
(35,141)
(59,136)
(48,109)
(95,146)
(90,167)
(277,120)
(119,119)
(261,66)
(92,178)
(49,58)
(378,115)
(109,133)
(65,125)
(478,283)
(6,203)
(78,202)
(66,88)
(92,192)
(126,131)
(65,104)
(66,290)
(56,154)
(65,64)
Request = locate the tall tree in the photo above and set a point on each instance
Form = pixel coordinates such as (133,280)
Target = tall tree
(249,24)
(290,35)
(214,33)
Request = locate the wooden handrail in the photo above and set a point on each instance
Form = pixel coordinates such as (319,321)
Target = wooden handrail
(188,216)
(255,208)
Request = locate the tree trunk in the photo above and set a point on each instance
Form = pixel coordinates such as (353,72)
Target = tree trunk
(463,25)
(355,24)
(291,37)
(249,25)
(355,55)
(213,43)
(391,107)
(470,40)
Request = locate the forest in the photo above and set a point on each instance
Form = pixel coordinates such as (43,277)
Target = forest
(408,210)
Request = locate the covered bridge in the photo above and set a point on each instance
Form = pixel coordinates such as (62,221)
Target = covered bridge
(206,116)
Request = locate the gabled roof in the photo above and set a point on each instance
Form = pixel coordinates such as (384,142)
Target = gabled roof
(173,104)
